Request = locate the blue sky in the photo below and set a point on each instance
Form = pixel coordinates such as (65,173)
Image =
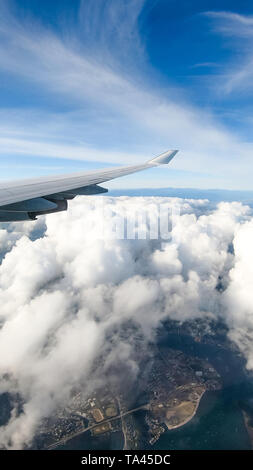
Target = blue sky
(92,83)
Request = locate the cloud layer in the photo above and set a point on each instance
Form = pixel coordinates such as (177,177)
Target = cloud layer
(67,294)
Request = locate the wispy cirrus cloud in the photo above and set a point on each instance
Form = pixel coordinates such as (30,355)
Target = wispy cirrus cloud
(93,99)
(238,31)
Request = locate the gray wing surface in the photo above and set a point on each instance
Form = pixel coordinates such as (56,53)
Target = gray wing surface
(26,199)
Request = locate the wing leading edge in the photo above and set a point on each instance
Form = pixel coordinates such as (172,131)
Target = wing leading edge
(26,199)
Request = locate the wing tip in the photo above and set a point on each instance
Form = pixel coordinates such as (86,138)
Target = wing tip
(164,158)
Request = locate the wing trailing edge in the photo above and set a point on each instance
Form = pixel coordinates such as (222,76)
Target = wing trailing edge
(26,199)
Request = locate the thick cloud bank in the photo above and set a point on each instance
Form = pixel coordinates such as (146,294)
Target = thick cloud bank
(65,289)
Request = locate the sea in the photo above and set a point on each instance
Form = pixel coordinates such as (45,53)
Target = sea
(218,422)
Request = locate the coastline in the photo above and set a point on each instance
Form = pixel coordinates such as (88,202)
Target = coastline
(189,418)
(248,426)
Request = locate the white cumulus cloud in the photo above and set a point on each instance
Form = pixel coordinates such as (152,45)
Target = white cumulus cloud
(67,294)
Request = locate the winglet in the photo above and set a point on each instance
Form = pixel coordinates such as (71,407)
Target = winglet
(164,158)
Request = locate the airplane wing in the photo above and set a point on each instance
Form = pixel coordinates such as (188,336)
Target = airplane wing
(26,199)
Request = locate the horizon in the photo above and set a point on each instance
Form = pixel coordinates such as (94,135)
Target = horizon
(126,320)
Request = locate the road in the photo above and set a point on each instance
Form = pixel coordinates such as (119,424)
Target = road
(89,428)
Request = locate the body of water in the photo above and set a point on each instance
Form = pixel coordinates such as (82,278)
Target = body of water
(218,423)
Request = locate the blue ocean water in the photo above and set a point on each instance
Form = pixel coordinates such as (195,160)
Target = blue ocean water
(218,422)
